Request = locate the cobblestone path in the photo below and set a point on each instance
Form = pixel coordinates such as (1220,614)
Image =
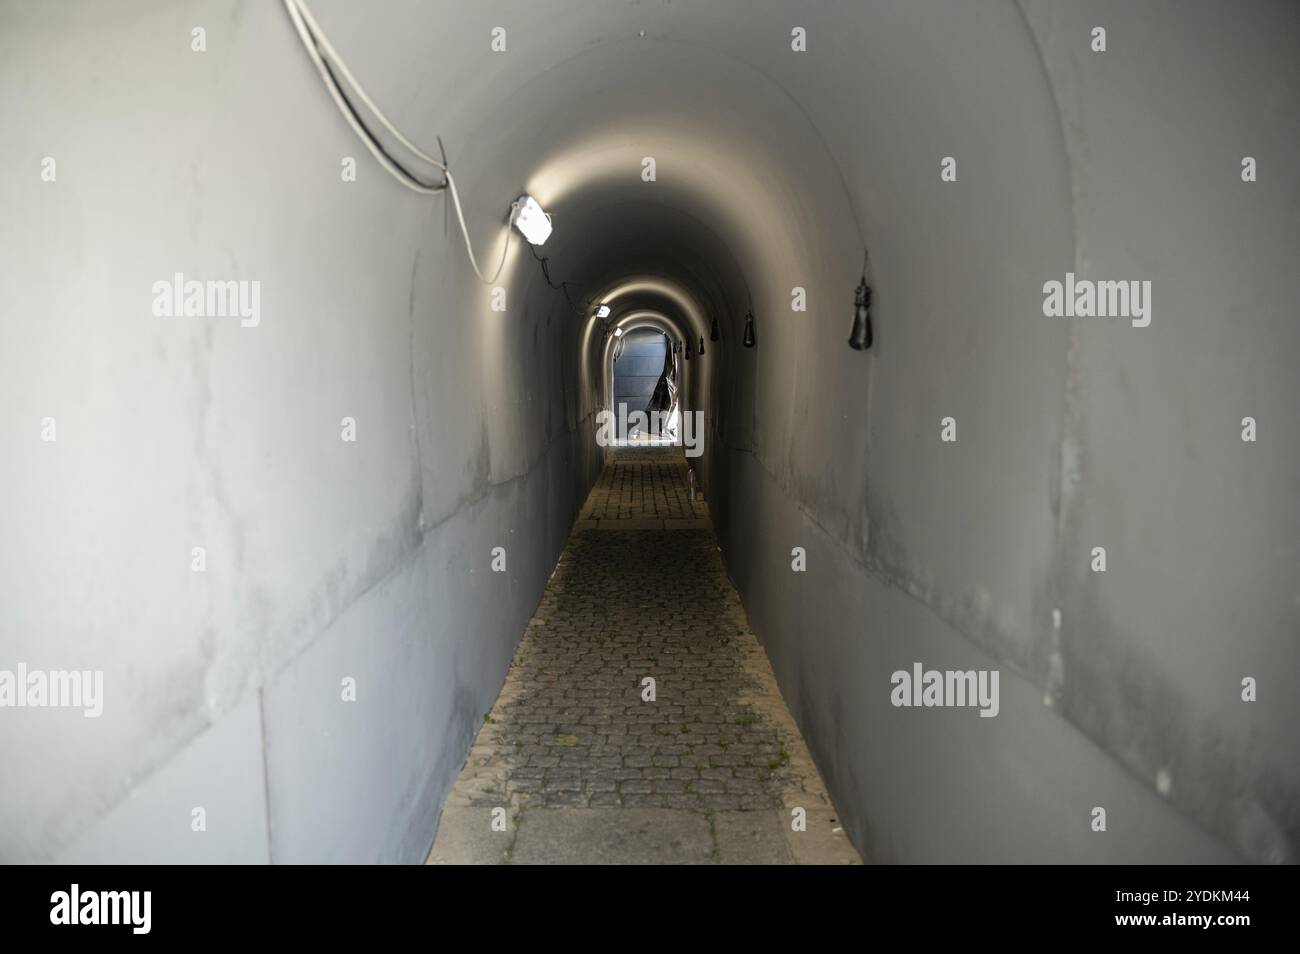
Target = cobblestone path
(640,486)
(589,768)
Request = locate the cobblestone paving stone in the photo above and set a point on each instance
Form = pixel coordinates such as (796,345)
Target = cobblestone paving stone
(571,730)
(648,482)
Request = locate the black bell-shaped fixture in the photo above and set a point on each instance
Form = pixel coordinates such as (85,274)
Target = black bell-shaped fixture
(749,338)
(860,336)
(688,349)
(701,344)
(713,331)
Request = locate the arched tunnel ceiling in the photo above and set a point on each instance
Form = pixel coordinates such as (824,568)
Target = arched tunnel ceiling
(750,198)
(576,102)
(743,178)
(636,295)
(643,242)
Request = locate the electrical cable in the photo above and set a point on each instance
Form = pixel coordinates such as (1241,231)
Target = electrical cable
(315,42)
(460,216)
(313,45)
(332,53)
(562,286)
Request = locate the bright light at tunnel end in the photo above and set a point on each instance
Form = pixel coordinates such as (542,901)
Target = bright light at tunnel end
(532,221)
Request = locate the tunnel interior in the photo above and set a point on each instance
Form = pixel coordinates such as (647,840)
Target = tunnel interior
(706,167)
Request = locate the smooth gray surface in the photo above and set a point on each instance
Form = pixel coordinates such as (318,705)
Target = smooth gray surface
(475,427)
(751,838)
(615,836)
(466,837)
(221,773)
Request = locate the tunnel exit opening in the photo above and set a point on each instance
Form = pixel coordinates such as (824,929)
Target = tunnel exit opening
(644,389)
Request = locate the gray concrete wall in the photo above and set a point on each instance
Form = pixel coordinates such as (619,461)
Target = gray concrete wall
(1070,436)
(328,559)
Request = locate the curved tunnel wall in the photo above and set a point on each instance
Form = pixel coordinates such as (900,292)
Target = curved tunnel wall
(371,559)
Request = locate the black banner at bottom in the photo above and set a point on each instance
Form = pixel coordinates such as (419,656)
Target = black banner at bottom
(333,904)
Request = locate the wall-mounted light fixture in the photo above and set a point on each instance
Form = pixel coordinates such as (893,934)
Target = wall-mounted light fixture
(602,311)
(860,336)
(532,221)
(701,344)
(618,332)
(713,329)
(749,339)
(688,349)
